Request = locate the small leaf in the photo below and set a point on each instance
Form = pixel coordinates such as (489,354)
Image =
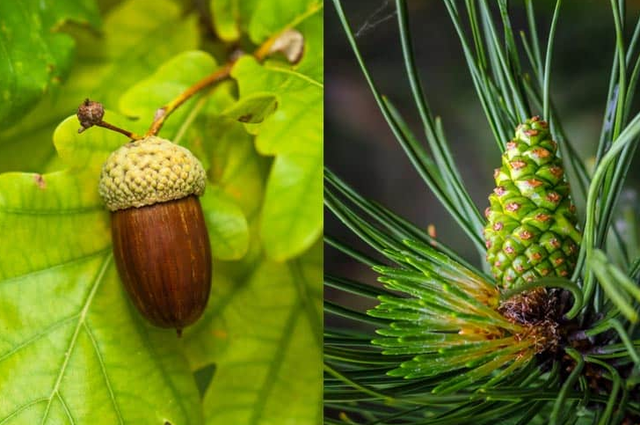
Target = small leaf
(313,53)
(225,14)
(292,213)
(228,229)
(228,152)
(231,17)
(253,108)
(297,122)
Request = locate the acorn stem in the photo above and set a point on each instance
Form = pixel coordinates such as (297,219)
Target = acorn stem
(129,134)
(90,113)
(219,75)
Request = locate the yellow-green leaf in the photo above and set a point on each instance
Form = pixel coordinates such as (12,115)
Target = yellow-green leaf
(292,213)
(297,121)
(228,229)
(226,19)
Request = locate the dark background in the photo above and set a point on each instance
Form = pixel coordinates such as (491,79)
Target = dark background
(361,149)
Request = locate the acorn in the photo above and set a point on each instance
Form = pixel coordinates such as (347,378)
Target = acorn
(160,240)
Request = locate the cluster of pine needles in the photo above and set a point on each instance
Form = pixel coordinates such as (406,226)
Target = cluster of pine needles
(447,344)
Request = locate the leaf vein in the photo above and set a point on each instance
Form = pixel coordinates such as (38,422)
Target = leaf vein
(154,356)
(311,10)
(94,343)
(306,299)
(23,407)
(66,408)
(275,366)
(302,188)
(61,265)
(295,74)
(219,308)
(70,211)
(74,338)
(37,336)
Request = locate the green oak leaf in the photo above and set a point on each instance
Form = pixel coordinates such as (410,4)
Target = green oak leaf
(73,349)
(236,166)
(35,55)
(264,335)
(228,229)
(292,213)
(297,121)
(226,16)
(259,18)
(129,49)
(312,60)
(231,17)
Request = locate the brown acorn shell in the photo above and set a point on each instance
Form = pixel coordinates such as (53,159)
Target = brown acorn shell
(163,257)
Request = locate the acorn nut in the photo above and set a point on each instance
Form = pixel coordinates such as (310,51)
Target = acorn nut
(160,240)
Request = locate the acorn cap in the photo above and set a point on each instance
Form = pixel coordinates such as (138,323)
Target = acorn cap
(149,171)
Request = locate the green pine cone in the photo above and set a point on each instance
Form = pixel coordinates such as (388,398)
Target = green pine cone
(532,229)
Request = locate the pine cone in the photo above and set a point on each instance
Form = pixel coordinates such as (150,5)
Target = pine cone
(532,230)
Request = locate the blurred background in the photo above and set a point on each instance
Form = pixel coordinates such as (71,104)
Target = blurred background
(361,149)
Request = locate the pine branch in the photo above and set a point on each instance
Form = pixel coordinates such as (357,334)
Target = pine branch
(445,343)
